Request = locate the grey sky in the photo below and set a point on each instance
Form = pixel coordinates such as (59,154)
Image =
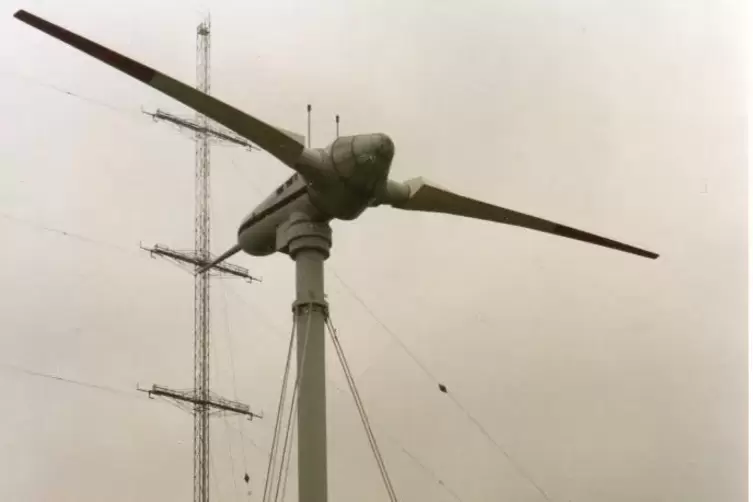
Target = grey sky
(606,376)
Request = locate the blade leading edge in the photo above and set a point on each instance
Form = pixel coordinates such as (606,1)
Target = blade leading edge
(274,141)
(420,195)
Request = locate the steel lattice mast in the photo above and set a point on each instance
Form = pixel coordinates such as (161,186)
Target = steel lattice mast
(201,281)
(200,398)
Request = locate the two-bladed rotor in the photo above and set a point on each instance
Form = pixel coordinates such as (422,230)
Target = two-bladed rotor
(341,180)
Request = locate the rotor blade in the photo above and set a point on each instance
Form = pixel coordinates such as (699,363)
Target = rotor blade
(271,139)
(224,256)
(420,195)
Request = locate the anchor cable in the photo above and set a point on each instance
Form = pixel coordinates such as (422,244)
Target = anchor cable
(294,402)
(278,420)
(361,411)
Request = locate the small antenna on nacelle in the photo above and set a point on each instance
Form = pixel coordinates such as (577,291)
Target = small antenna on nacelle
(337,126)
(308,134)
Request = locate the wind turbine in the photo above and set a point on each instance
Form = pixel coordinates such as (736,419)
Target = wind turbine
(337,182)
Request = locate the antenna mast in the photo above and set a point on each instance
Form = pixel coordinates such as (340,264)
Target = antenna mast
(202,401)
(201,281)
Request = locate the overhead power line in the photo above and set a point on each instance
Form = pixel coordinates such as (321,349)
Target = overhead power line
(66,233)
(58,378)
(92,101)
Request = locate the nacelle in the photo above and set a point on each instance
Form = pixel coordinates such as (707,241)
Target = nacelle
(358,166)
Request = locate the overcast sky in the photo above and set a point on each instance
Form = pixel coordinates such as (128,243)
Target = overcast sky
(604,376)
